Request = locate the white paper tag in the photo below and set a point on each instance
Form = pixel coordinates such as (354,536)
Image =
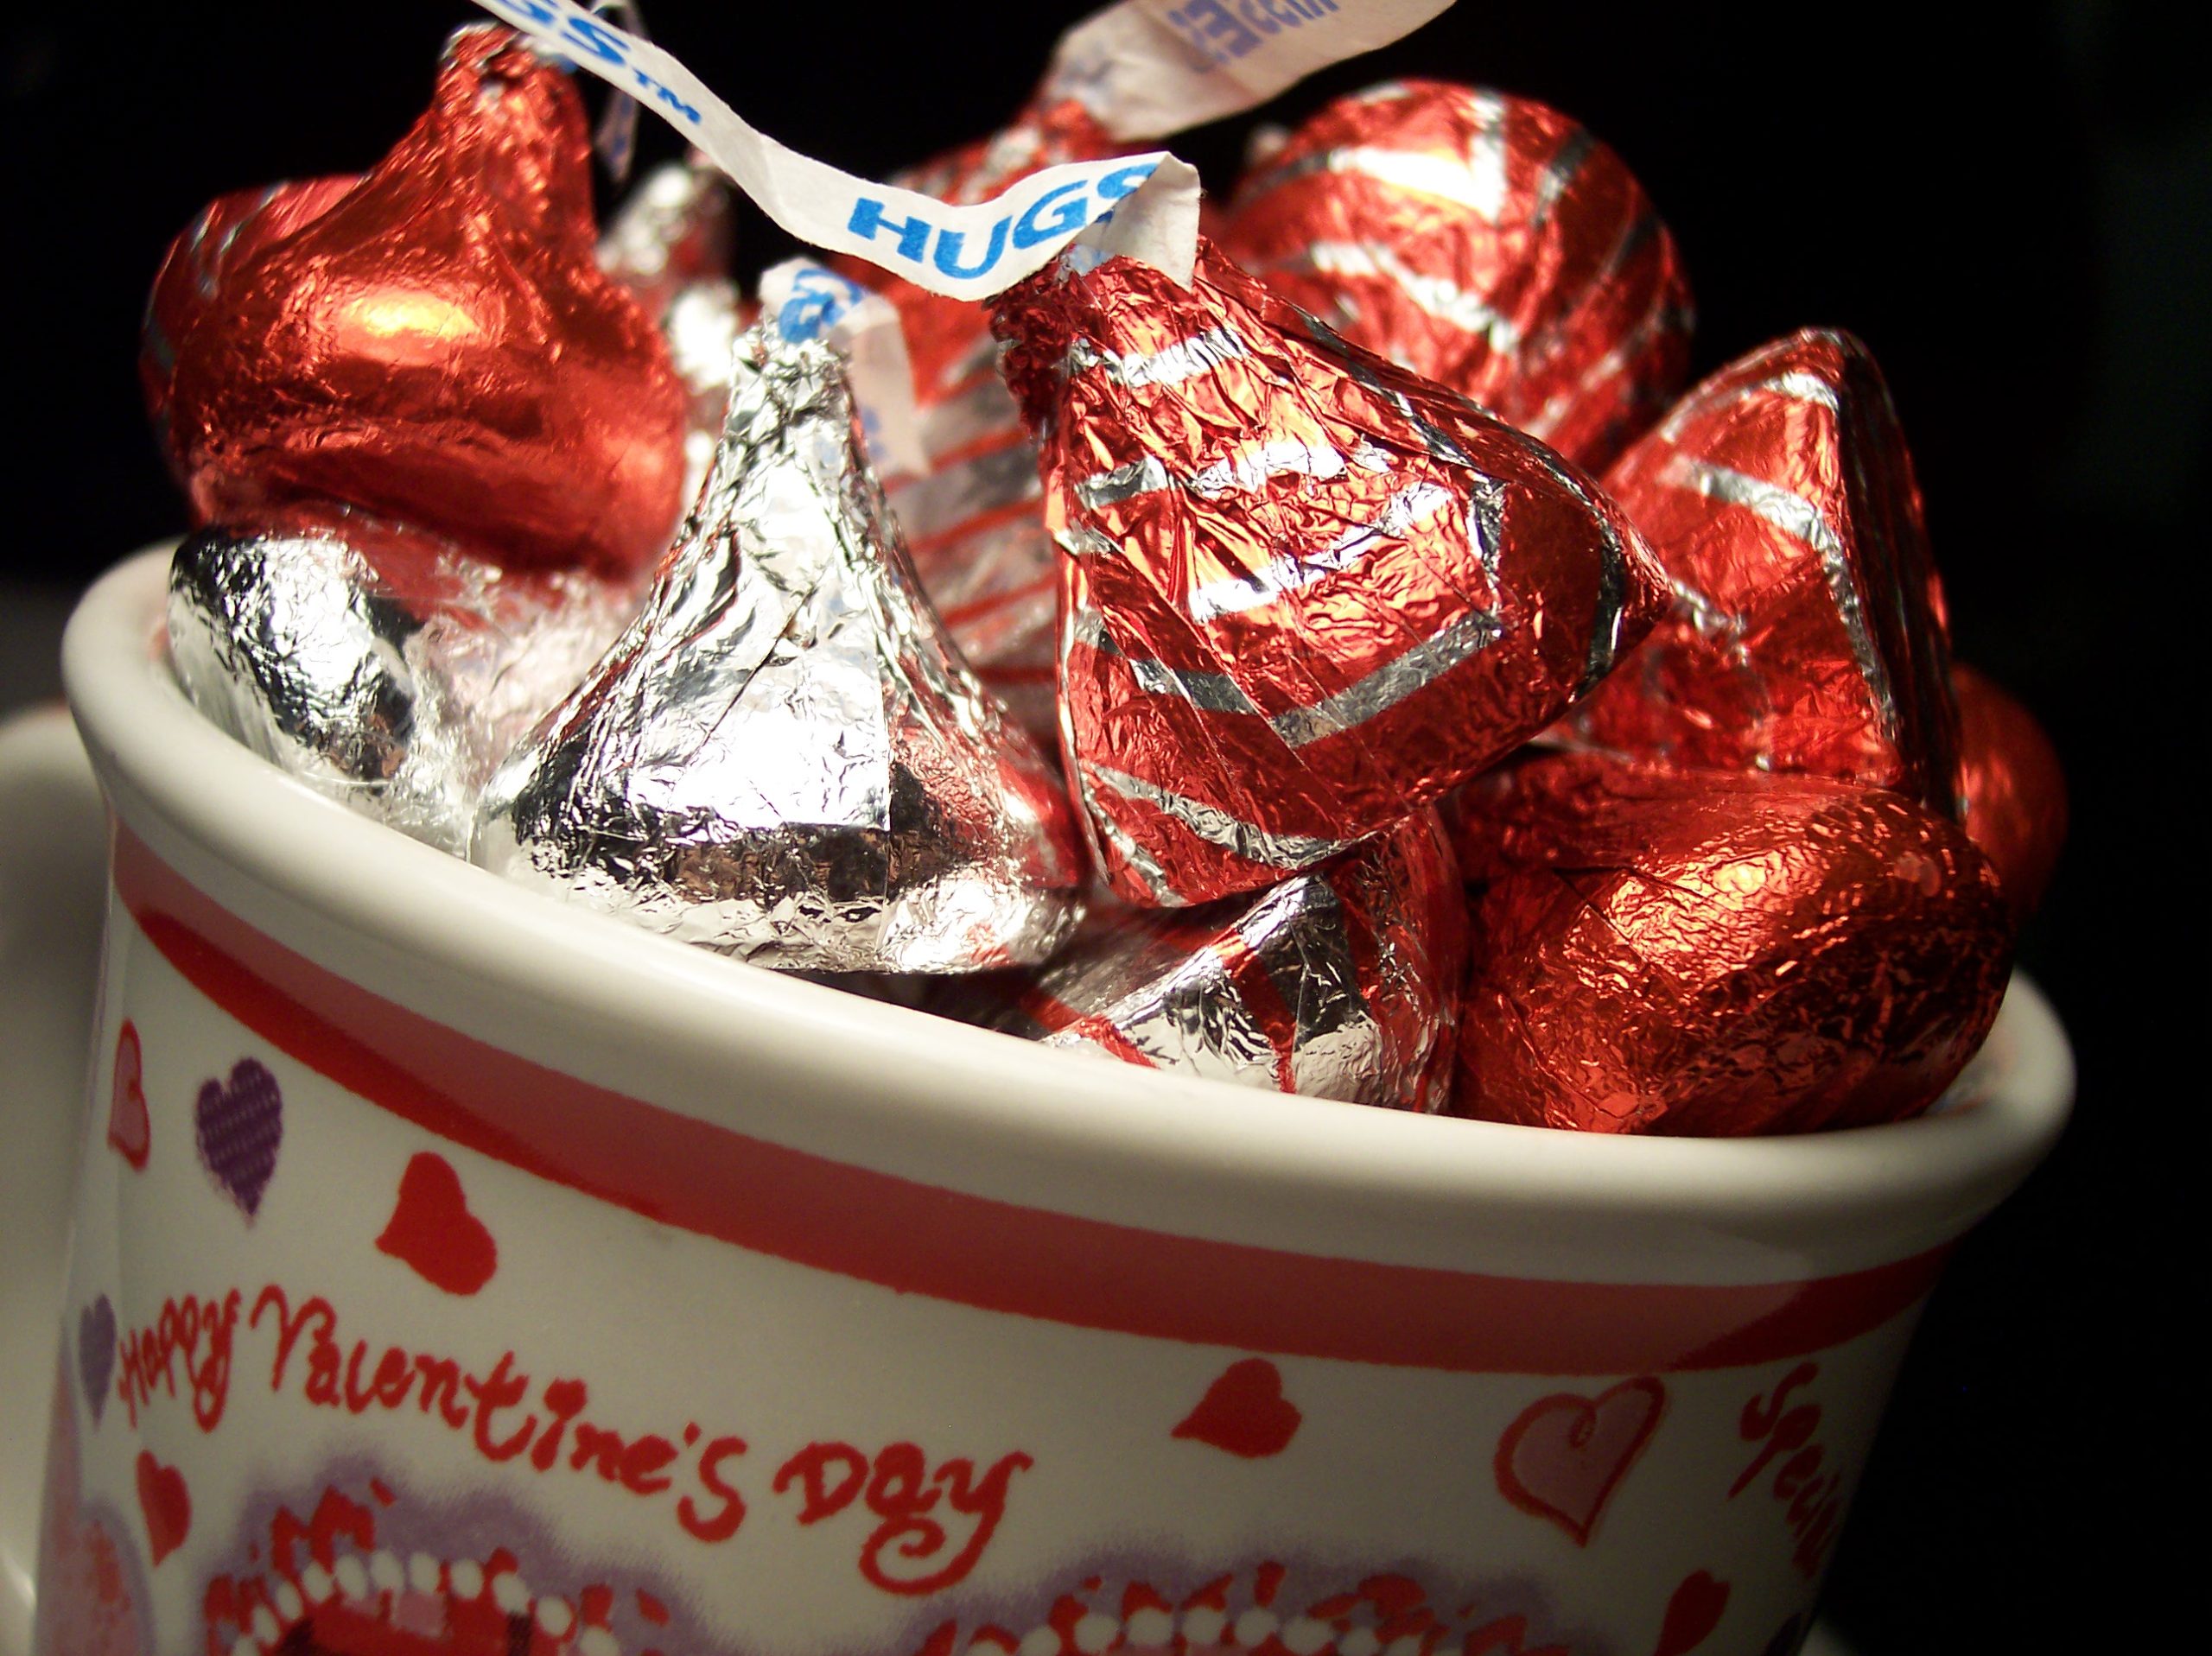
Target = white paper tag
(803,300)
(1145,68)
(967,252)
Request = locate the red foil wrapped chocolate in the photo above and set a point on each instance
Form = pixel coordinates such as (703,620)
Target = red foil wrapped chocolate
(1308,592)
(1807,633)
(1484,242)
(2010,788)
(1710,954)
(1339,983)
(433,342)
(973,523)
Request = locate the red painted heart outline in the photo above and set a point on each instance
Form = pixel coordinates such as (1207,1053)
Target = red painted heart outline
(1569,1480)
(130,1129)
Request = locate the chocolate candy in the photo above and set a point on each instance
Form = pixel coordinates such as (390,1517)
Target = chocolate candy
(1343,982)
(781,758)
(673,231)
(1706,953)
(436,342)
(378,664)
(975,521)
(2011,787)
(1484,242)
(1308,592)
(1807,633)
(670,247)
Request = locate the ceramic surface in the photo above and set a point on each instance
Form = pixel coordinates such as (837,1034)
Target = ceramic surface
(455,1272)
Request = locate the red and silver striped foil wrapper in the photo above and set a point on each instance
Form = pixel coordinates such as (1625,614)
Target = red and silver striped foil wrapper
(1486,242)
(1308,593)
(433,342)
(1712,955)
(1342,983)
(2011,787)
(1808,628)
(975,523)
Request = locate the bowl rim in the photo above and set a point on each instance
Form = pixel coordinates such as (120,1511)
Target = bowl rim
(247,815)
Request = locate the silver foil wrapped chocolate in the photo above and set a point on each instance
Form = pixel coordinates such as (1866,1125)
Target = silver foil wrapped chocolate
(669,245)
(1343,982)
(376,662)
(671,231)
(782,759)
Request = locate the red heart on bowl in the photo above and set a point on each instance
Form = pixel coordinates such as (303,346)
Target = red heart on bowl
(433,1232)
(129,1128)
(166,1503)
(1244,1411)
(1564,1455)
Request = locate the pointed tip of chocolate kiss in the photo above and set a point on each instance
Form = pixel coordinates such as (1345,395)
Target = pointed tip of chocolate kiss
(1808,633)
(1309,592)
(782,759)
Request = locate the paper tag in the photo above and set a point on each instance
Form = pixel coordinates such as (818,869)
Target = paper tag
(616,136)
(1145,68)
(805,300)
(967,252)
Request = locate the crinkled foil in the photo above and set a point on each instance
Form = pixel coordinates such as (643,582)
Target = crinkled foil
(378,665)
(1807,633)
(1484,242)
(1343,982)
(670,246)
(435,343)
(1308,593)
(782,759)
(975,523)
(673,230)
(2011,787)
(1712,955)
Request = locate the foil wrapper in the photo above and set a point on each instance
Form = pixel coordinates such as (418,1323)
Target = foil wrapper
(379,665)
(1342,982)
(2011,787)
(1714,954)
(433,342)
(782,759)
(1484,242)
(1808,630)
(671,231)
(974,521)
(1308,593)
(669,246)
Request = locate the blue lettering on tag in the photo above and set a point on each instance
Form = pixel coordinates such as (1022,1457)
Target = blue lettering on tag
(1072,214)
(526,12)
(868,219)
(594,39)
(949,242)
(1123,181)
(1214,31)
(1257,14)
(665,96)
(819,299)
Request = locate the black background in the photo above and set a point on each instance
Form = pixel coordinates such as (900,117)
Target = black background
(2014,218)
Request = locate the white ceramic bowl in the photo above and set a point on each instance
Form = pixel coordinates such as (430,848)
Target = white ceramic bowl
(1024,1351)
